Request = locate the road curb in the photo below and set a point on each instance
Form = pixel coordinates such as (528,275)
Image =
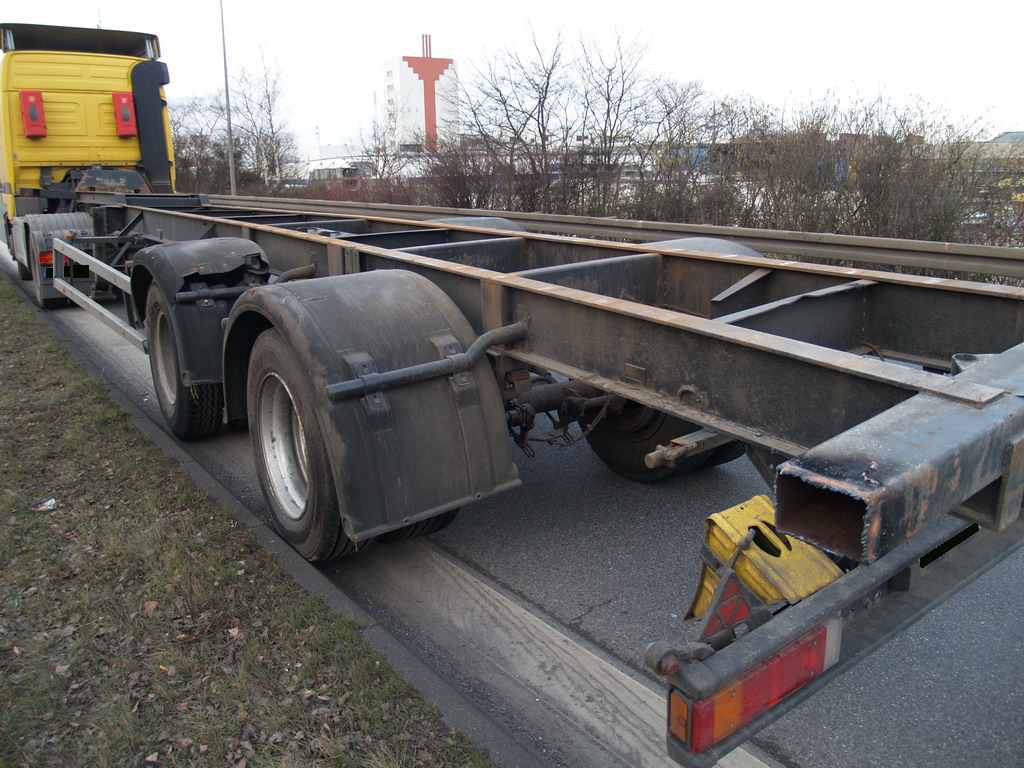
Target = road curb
(457,710)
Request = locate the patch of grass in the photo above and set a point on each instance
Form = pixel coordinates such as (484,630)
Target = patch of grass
(140,626)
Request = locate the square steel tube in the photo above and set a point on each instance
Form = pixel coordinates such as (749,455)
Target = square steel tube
(866,490)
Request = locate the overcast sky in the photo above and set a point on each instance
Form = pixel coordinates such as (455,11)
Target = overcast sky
(962,58)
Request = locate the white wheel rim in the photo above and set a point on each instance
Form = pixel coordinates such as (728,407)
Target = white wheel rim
(282,441)
(165,360)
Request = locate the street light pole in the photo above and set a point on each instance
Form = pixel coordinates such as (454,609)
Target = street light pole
(227,103)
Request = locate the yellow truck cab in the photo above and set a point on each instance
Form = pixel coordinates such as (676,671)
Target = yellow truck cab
(81,110)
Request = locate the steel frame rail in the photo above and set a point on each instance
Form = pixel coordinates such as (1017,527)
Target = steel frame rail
(960,258)
(783,355)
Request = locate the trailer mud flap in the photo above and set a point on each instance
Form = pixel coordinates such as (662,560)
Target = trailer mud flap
(400,454)
(199,281)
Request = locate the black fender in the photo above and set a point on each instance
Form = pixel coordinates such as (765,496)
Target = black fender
(187,268)
(398,456)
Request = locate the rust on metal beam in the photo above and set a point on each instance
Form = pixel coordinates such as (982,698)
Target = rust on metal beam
(863,492)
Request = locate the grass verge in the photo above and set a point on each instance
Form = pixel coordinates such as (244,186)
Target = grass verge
(140,626)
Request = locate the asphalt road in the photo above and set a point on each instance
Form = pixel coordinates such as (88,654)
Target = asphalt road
(615,562)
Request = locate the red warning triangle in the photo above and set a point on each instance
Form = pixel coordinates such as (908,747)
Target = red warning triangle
(731,609)
(742,612)
(714,627)
(731,588)
(727,610)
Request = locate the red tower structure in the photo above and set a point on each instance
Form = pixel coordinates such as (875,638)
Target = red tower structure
(429,71)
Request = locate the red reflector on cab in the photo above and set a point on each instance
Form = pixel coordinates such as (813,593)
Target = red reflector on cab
(713,719)
(124,114)
(33,118)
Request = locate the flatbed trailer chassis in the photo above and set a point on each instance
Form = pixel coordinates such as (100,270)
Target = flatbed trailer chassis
(391,359)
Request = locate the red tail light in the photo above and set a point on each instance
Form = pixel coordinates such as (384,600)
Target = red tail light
(704,723)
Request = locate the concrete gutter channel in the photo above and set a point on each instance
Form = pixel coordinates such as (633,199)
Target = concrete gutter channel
(458,710)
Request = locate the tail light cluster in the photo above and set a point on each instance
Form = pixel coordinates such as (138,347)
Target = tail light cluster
(702,724)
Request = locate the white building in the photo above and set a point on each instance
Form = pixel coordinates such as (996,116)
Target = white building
(421,98)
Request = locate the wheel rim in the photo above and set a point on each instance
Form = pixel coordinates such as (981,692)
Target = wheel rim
(165,360)
(282,442)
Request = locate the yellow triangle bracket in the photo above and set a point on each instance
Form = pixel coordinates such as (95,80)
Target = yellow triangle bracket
(775,567)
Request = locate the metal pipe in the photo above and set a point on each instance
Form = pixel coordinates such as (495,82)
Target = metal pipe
(299,273)
(227,102)
(684,447)
(457,363)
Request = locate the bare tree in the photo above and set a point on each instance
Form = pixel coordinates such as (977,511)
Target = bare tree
(520,112)
(618,106)
(383,151)
(462,174)
(262,130)
(377,169)
(200,144)
(999,219)
(908,174)
(589,131)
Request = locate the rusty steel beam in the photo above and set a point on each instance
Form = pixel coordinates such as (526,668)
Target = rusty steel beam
(961,258)
(711,363)
(797,361)
(866,490)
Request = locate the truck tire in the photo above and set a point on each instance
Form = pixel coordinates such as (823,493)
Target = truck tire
(291,458)
(622,439)
(422,528)
(192,412)
(723,454)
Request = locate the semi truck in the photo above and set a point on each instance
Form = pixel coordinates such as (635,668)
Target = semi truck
(388,367)
(81,109)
